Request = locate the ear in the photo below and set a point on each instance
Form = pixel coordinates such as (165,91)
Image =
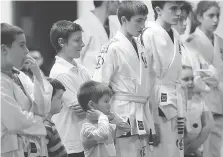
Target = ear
(123,19)
(199,18)
(61,42)
(158,11)
(4,50)
(91,105)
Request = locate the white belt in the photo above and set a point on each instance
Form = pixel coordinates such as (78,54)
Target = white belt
(129,97)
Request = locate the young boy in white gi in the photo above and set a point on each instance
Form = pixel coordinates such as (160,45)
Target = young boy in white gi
(124,66)
(162,43)
(22,103)
(97,133)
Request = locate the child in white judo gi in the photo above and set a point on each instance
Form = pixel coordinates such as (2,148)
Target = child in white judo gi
(22,103)
(124,66)
(204,48)
(162,43)
(101,125)
(199,120)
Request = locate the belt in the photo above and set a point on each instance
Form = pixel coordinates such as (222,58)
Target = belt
(130,97)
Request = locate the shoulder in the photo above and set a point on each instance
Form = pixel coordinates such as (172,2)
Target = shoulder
(110,45)
(191,38)
(57,70)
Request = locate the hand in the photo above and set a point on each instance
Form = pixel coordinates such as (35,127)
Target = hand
(124,126)
(111,116)
(94,114)
(33,66)
(78,110)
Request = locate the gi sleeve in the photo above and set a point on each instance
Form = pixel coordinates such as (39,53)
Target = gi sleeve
(40,94)
(107,64)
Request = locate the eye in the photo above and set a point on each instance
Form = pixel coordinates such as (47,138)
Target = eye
(174,8)
(186,79)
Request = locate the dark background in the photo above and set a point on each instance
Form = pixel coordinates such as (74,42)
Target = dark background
(36,19)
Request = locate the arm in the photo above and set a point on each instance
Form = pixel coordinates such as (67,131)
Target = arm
(207,123)
(120,123)
(13,117)
(98,134)
(39,91)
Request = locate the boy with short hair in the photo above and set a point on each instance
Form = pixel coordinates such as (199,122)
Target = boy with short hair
(22,102)
(124,66)
(66,38)
(199,120)
(54,144)
(97,133)
(162,44)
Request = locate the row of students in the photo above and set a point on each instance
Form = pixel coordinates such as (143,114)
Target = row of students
(130,81)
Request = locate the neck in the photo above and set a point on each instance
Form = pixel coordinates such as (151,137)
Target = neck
(101,13)
(163,24)
(209,34)
(65,57)
(126,34)
(49,116)
(6,68)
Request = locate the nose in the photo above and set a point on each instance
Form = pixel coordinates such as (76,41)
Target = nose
(215,19)
(190,83)
(82,45)
(26,50)
(143,25)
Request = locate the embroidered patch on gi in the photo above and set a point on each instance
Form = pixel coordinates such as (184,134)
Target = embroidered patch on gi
(100,62)
(103,52)
(144,59)
(163,97)
(140,125)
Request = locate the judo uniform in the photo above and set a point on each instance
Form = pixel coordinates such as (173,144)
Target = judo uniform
(166,94)
(19,126)
(128,73)
(207,60)
(94,36)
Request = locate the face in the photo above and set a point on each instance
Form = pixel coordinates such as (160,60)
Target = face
(135,25)
(56,102)
(113,6)
(74,45)
(16,54)
(187,79)
(170,12)
(182,23)
(104,104)
(210,19)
